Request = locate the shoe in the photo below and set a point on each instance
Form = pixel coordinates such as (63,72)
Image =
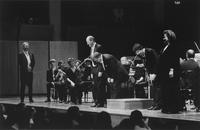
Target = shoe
(100,105)
(67,102)
(183,109)
(48,100)
(72,103)
(169,112)
(198,109)
(156,108)
(94,105)
(150,108)
(31,101)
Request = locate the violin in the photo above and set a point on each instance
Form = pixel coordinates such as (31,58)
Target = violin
(60,76)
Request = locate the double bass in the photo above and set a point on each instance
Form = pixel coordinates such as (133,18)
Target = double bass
(197,55)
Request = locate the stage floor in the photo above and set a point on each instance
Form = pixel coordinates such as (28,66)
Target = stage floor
(86,107)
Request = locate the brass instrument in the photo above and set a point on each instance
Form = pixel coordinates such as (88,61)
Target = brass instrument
(87,59)
(196,46)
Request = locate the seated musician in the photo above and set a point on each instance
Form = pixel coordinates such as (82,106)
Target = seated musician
(84,77)
(125,62)
(191,76)
(125,87)
(51,72)
(140,79)
(74,89)
(60,82)
(150,60)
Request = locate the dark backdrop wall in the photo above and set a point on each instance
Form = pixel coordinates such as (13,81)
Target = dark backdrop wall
(8,68)
(184,19)
(117,25)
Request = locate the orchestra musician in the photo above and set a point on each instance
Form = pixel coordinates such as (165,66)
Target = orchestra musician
(74,88)
(60,82)
(51,73)
(86,82)
(149,58)
(125,90)
(190,77)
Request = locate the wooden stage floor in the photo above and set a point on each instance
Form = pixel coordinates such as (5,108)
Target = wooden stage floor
(117,115)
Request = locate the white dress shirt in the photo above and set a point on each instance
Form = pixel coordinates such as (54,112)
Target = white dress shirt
(92,49)
(165,48)
(28,59)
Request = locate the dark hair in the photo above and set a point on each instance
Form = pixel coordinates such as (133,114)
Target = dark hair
(103,120)
(96,55)
(170,34)
(73,112)
(70,61)
(137,46)
(124,124)
(136,118)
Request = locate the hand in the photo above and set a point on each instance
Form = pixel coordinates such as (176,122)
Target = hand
(91,76)
(72,84)
(132,79)
(146,120)
(139,80)
(52,83)
(171,73)
(110,80)
(181,60)
(29,69)
(100,74)
(152,77)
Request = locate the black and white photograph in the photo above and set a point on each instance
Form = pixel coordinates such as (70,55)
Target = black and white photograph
(100,64)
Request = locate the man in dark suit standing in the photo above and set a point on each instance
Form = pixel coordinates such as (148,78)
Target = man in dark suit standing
(93,45)
(113,70)
(169,74)
(99,88)
(26,64)
(95,70)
